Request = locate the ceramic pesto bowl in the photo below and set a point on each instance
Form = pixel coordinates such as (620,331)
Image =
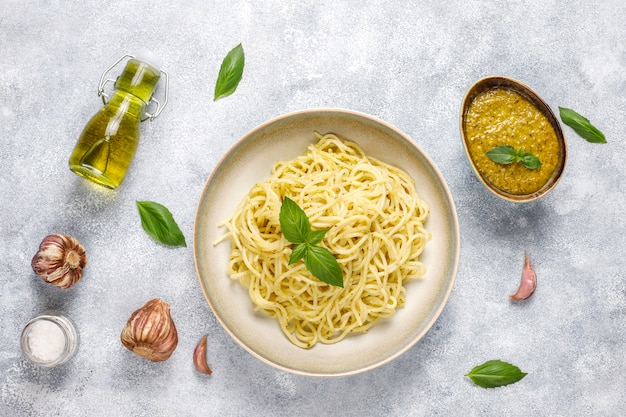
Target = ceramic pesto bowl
(504,115)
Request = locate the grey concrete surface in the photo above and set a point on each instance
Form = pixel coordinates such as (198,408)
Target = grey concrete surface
(408,63)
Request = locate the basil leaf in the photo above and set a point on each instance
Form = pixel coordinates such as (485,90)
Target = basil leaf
(495,373)
(323,265)
(296,228)
(506,154)
(581,125)
(230,73)
(159,223)
(315,237)
(298,253)
(530,161)
(502,154)
(293,221)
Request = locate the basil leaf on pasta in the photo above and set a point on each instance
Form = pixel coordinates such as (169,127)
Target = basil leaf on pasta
(296,228)
(316,236)
(293,222)
(323,265)
(298,253)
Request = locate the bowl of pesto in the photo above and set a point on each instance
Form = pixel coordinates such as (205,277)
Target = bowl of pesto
(512,139)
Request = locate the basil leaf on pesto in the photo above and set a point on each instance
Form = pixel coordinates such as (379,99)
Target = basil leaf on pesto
(506,155)
(159,223)
(230,73)
(529,160)
(581,125)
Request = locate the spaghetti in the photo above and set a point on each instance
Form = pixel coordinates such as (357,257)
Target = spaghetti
(375,222)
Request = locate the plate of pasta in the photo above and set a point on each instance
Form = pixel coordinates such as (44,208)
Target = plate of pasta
(377,203)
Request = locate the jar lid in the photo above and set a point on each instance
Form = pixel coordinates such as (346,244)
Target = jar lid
(150,58)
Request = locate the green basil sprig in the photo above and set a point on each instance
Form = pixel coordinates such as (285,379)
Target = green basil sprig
(495,373)
(230,73)
(507,154)
(159,223)
(581,125)
(296,228)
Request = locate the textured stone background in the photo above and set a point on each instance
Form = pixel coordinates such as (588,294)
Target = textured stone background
(408,63)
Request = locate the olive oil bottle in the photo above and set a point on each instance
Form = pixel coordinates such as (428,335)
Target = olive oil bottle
(108,142)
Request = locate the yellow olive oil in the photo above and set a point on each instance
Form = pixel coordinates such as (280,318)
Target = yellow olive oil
(108,142)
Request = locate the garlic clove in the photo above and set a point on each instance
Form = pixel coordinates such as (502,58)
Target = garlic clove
(60,260)
(150,331)
(528,284)
(199,357)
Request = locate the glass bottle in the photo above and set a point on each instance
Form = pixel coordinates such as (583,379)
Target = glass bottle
(49,340)
(108,142)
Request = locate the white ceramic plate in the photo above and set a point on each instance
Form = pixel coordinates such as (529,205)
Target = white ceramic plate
(248,162)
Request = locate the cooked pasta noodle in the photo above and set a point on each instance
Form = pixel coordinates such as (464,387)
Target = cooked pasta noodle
(375,222)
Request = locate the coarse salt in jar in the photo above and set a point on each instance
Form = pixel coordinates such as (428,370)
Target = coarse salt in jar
(49,340)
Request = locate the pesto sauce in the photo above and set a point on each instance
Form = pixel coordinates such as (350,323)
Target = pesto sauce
(501,116)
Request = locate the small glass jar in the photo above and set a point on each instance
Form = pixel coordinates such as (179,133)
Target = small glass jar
(49,339)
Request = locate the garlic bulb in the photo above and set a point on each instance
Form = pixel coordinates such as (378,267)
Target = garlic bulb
(60,260)
(150,331)
(199,357)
